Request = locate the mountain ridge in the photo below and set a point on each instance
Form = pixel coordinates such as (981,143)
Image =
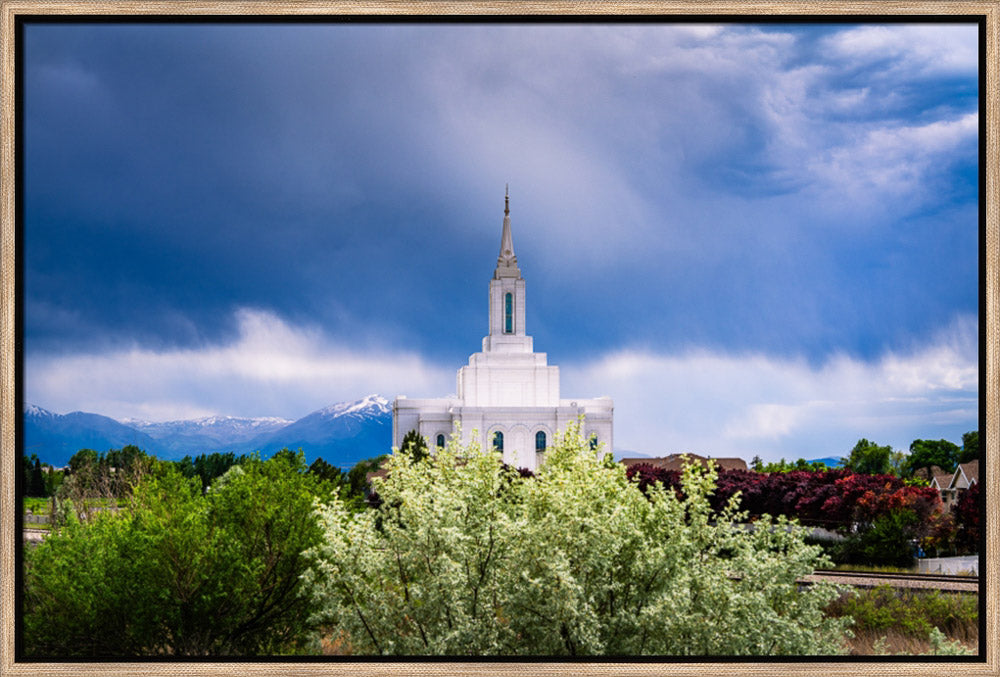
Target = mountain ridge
(342,433)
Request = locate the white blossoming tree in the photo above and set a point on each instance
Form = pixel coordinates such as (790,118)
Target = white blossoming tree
(466,557)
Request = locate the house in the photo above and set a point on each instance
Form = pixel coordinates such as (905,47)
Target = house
(951,485)
(676,462)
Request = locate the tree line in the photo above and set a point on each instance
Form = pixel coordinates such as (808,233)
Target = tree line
(223,555)
(871,458)
(462,555)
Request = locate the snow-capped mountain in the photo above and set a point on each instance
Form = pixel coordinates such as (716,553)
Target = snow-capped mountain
(342,433)
(54,438)
(223,427)
(211,433)
(366,407)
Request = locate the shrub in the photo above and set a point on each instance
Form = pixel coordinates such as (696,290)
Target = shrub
(180,572)
(909,612)
(465,557)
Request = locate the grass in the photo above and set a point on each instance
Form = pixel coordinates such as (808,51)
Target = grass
(874,568)
(38,506)
(43,506)
(905,618)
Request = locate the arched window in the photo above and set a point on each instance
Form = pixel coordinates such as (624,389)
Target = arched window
(498,441)
(593,441)
(508,313)
(440,440)
(540,440)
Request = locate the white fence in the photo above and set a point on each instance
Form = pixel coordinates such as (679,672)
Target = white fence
(949,565)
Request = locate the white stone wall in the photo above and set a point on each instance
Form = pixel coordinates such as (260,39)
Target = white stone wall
(519,425)
(508,379)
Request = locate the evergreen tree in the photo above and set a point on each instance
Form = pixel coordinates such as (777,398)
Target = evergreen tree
(36,485)
(415,444)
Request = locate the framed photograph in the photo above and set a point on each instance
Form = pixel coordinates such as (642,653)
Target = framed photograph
(623,288)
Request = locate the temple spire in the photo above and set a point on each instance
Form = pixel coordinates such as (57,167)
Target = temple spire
(507,261)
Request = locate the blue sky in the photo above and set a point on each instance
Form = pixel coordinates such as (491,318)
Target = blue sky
(758,239)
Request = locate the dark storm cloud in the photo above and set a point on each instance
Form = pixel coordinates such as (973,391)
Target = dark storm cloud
(276,196)
(175,173)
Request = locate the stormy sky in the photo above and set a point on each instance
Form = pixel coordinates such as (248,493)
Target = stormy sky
(758,239)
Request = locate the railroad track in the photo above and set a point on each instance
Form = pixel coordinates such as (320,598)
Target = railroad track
(867,579)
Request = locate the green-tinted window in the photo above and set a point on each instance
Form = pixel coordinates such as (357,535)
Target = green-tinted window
(508,314)
(498,441)
(440,440)
(593,441)
(540,441)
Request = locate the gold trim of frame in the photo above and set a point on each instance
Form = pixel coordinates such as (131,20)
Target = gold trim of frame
(11,9)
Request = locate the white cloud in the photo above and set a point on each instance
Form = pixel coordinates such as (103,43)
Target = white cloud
(720,404)
(724,405)
(895,160)
(923,47)
(272,369)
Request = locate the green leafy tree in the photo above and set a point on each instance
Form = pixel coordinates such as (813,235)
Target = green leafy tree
(179,572)
(327,472)
(97,481)
(357,476)
(209,466)
(466,557)
(869,458)
(925,453)
(970,447)
(897,463)
(784,466)
(53,480)
(887,541)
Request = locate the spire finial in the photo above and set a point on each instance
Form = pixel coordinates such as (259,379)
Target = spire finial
(506,262)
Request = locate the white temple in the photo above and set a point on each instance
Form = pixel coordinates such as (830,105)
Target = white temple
(508,396)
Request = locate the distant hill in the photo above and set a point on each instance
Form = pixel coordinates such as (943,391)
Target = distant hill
(625,453)
(56,437)
(829,461)
(209,434)
(342,434)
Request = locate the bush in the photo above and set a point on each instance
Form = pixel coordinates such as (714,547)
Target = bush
(179,572)
(466,557)
(886,542)
(909,612)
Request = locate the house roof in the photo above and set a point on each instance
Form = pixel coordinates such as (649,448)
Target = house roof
(676,462)
(966,474)
(942,480)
